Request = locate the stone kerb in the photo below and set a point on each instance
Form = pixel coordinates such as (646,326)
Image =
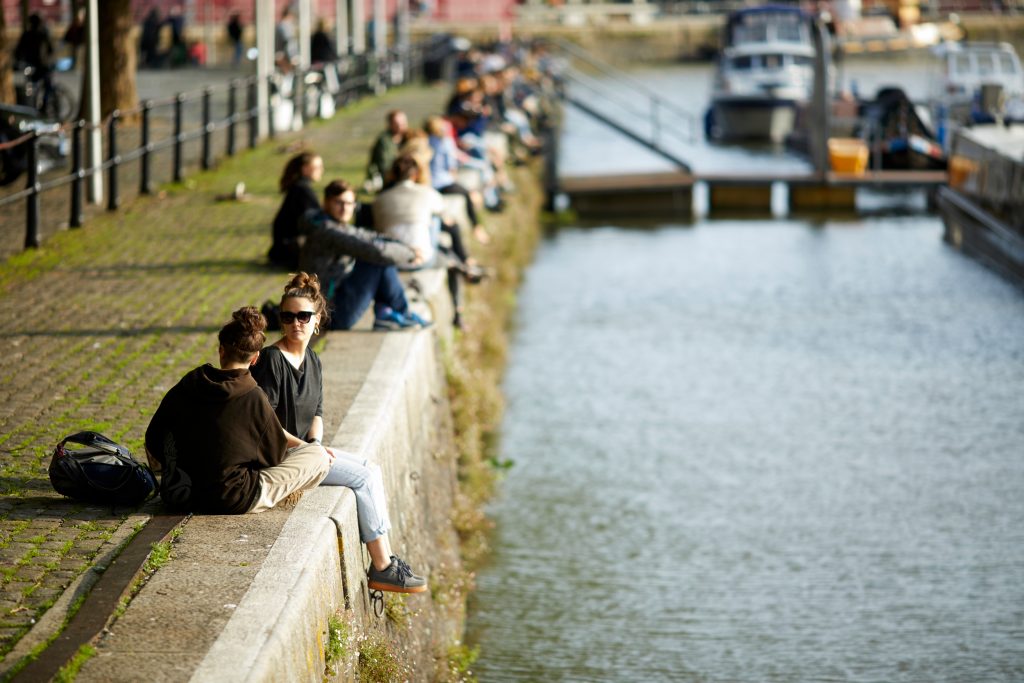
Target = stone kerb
(317,565)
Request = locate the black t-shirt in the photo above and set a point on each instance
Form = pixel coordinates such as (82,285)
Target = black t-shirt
(296,394)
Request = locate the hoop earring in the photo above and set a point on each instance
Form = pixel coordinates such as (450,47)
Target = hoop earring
(316,330)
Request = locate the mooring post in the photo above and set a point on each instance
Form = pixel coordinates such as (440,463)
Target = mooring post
(820,105)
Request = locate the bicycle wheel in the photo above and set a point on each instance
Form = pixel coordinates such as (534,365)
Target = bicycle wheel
(65,109)
(58,106)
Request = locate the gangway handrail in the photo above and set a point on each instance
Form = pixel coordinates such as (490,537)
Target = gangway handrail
(622,77)
(628,106)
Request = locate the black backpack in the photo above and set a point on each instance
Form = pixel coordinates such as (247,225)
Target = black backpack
(91,468)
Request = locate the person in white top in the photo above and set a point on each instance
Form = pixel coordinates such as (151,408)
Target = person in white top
(413,213)
(408,211)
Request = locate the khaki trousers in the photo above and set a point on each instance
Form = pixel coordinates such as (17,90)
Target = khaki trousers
(303,467)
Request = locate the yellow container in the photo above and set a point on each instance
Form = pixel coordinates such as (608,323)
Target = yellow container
(848,155)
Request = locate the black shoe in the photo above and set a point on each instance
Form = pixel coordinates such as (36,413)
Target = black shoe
(476,274)
(397,578)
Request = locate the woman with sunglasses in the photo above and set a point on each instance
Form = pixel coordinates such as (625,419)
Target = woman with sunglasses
(290,373)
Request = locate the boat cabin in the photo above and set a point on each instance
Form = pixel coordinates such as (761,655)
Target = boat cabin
(983,76)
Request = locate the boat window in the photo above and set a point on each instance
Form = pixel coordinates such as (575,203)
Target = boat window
(1006,64)
(771,61)
(756,33)
(961,65)
(985,65)
(742,63)
(789,32)
(802,60)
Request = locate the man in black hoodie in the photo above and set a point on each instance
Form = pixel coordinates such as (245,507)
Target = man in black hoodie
(218,444)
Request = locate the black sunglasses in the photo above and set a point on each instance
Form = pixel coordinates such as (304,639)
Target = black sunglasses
(287,317)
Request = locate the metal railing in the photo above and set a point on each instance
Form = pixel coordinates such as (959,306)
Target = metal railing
(627,104)
(357,76)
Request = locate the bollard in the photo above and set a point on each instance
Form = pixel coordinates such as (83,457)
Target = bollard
(113,196)
(77,175)
(178,139)
(144,159)
(232,87)
(299,99)
(271,130)
(32,200)
(253,115)
(207,158)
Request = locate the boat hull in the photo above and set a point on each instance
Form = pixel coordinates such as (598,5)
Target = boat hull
(762,119)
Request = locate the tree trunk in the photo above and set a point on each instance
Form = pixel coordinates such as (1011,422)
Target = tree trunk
(117,56)
(6,49)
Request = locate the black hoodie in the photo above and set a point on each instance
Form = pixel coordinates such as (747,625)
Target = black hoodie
(213,432)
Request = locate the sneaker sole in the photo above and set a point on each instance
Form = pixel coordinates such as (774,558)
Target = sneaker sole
(390,587)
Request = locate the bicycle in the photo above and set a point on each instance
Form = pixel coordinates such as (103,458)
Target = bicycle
(52,100)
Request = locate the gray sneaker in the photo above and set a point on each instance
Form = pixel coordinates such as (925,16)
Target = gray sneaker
(397,578)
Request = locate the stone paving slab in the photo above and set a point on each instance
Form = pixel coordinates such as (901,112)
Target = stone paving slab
(100,322)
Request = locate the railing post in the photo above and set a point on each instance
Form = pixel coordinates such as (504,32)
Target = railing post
(32,200)
(78,175)
(113,197)
(271,128)
(232,88)
(147,149)
(655,120)
(207,159)
(253,115)
(299,98)
(177,174)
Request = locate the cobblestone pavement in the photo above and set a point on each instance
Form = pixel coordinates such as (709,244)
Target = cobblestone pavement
(101,321)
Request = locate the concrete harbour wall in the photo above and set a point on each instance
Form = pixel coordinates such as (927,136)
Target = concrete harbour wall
(251,597)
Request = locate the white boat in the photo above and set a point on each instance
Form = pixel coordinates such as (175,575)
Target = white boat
(765,75)
(976,82)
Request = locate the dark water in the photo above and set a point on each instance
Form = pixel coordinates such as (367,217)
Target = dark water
(763,450)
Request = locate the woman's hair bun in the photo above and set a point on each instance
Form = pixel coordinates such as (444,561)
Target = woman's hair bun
(250,318)
(308,282)
(243,336)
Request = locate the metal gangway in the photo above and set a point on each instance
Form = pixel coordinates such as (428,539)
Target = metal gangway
(625,104)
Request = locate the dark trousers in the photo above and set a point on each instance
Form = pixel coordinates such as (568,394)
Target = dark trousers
(455,188)
(367,282)
(458,246)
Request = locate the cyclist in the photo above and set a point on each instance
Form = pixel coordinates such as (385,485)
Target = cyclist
(35,50)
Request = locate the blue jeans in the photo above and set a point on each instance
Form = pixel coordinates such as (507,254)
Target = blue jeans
(367,282)
(365,480)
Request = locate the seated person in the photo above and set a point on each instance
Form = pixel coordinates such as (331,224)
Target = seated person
(444,164)
(385,149)
(412,213)
(289,372)
(356,265)
(297,179)
(216,441)
(406,211)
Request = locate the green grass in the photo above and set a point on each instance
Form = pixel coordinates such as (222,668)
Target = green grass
(378,662)
(159,556)
(70,670)
(460,658)
(337,643)
(396,609)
